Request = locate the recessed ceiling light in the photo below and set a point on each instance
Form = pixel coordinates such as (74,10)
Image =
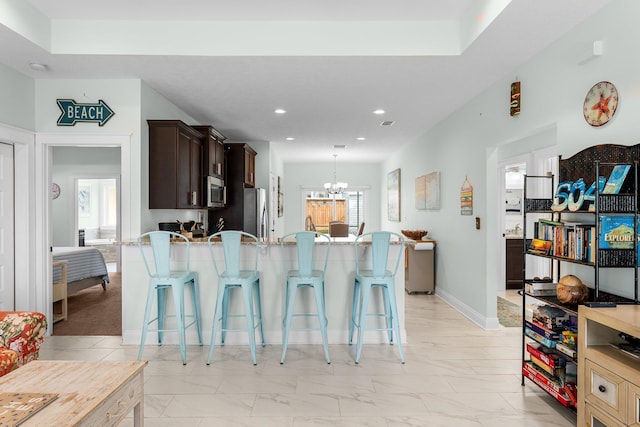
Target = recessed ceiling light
(279,111)
(290,138)
(361,138)
(379,111)
(38,67)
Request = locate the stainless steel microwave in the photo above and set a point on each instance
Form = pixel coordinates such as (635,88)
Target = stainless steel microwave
(216,192)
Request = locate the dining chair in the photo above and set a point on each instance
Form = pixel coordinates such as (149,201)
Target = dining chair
(308,224)
(338,229)
(305,269)
(238,269)
(381,273)
(163,278)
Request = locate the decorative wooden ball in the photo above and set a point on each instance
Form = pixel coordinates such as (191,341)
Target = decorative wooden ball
(571,290)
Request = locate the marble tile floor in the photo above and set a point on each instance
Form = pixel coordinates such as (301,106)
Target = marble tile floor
(456,374)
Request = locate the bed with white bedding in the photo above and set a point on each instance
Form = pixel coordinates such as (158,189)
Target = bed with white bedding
(85,267)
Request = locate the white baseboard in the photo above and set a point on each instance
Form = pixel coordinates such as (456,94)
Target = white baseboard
(489,323)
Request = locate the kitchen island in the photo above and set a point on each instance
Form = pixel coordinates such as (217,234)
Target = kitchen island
(338,292)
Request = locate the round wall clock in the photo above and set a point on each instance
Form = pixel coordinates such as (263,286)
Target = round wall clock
(600,104)
(55,190)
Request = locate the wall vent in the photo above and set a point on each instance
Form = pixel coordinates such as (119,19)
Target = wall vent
(339,146)
(387,123)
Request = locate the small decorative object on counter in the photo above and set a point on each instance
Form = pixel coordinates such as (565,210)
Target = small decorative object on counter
(415,234)
(571,290)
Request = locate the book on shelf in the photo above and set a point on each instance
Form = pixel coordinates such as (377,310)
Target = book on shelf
(617,232)
(539,328)
(567,349)
(555,372)
(539,247)
(546,359)
(554,388)
(550,358)
(539,338)
(568,240)
(16,408)
(534,290)
(616,179)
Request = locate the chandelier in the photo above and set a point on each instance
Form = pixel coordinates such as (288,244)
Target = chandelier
(335,187)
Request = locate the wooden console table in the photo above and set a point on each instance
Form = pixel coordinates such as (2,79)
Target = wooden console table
(89,393)
(60,289)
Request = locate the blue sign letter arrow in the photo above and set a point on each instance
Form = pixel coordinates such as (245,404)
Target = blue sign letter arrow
(73,112)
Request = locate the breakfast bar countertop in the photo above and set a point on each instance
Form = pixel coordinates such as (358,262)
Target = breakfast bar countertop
(268,242)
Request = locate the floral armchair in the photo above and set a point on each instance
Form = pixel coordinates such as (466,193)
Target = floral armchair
(21,333)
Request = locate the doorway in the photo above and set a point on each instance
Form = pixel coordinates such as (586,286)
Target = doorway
(45,145)
(98,216)
(7,229)
(320,208)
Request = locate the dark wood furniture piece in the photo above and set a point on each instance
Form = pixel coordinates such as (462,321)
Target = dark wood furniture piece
(175,166)
(241,163)
(212,151)
(240,166)
(514,263)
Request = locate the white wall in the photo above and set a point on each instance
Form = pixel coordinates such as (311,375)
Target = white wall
(301,175)
(17,103)
(470,141)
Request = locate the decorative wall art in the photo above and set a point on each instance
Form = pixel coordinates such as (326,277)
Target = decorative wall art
(280,200)
(432,190)
(428,191)
(393,195)
(421,192)
(514,106)
(466,198)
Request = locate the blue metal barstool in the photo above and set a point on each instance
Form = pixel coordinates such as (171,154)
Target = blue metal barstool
(234,277)
(161,279)
(304,275)
(378,276)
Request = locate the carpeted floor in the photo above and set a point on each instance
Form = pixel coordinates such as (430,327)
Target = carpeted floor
(509,314)
(94,311)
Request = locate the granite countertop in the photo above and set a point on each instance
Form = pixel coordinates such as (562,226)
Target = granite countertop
(202,241)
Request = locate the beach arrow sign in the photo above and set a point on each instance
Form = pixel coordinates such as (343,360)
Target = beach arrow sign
(72,112)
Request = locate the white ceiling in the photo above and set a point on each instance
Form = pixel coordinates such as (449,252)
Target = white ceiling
(329,63)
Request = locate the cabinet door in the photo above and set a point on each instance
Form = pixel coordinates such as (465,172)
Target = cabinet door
(514,263)
(196,181)
(249,168)
(219,158)
(183,179)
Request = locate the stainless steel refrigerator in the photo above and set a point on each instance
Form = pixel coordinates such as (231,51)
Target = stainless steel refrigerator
(255,219)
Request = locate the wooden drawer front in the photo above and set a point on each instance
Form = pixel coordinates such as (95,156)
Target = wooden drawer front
(633,405)
(606,390)
(596,418)
(113,410)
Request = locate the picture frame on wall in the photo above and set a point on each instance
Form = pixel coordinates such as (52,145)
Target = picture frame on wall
(280,199)
(432,191)
(393,195)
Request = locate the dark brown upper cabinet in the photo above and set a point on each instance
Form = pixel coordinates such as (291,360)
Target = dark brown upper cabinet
(212,151)
(175,166)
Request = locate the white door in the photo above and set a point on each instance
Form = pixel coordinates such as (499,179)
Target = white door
(7,252)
